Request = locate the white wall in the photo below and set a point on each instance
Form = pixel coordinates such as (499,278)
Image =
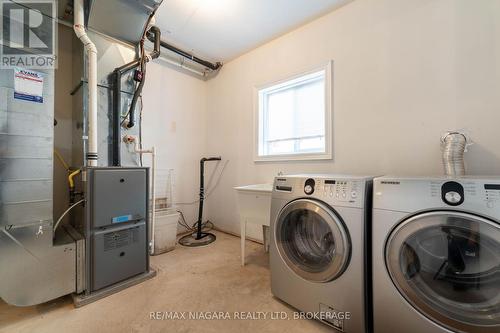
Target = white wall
(405,71)
(174,121)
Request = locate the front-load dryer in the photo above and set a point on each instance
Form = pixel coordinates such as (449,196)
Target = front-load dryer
(436,255)
(319,244)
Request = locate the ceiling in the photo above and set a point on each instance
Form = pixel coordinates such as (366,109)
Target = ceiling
(221,30)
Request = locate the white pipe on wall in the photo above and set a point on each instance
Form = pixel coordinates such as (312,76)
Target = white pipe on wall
(90,49)
(151,151)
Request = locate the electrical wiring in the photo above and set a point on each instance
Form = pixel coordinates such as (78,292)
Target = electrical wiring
(66,212)
(206,226)
(183,222)
(125,117)
(138,87)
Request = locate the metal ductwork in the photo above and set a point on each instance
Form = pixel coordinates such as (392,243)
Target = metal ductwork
(38,261)
(454,145)
(36,265)
(125,20)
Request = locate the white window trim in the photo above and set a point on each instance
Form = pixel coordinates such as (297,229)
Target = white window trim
(328,154)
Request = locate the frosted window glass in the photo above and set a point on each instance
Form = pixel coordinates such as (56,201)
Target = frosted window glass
(294,116)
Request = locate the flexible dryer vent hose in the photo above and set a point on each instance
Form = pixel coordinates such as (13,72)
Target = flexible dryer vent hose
(454,145)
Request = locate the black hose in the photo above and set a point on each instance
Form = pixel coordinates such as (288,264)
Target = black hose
(137,93)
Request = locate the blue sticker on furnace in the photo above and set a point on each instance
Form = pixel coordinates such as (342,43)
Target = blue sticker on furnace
(121,219)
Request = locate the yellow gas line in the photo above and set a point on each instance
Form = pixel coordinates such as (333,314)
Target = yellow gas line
(71,176)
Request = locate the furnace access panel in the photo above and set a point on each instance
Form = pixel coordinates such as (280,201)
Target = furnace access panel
(117,225)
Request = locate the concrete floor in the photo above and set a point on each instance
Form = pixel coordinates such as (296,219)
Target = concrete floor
(189,279)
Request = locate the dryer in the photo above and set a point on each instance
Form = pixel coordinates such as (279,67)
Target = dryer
(319,244)
(436,255)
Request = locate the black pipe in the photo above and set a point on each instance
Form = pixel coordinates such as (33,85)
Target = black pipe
(117,78)
(187,55)
(199,234)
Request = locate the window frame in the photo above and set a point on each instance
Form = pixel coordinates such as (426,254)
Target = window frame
(259,126)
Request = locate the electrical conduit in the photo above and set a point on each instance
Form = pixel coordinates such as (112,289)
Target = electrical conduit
(90,49)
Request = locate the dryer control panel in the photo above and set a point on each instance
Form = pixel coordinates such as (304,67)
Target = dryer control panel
(414,194)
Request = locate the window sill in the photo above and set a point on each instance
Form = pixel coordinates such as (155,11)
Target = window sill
(293,157)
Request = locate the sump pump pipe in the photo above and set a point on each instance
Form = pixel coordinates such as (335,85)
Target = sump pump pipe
(454,145)
(91,50)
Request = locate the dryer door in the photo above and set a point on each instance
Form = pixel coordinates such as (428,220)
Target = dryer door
(312,240)
(447,266)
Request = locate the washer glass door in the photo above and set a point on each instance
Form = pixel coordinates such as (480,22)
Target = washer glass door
(447,265)
(312,240)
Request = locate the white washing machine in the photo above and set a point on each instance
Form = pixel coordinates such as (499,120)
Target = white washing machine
(436,255)
(319,244)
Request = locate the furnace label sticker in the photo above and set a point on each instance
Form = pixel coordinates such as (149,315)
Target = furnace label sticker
(123,218)
(28,85)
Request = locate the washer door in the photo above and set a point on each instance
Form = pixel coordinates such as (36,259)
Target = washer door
(312,240)
(447,265)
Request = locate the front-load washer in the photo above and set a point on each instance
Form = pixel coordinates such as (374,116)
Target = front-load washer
(319,247)
(436,255)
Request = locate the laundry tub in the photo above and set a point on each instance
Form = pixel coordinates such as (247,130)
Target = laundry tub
(165,234)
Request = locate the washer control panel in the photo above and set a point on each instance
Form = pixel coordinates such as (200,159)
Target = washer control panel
(341,190)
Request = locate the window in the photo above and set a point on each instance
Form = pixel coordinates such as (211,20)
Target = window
(294,118)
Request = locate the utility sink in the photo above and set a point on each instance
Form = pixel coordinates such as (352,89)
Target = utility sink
(255,188)
(254,204)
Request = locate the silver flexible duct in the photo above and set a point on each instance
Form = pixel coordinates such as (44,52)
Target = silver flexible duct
(454,146)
